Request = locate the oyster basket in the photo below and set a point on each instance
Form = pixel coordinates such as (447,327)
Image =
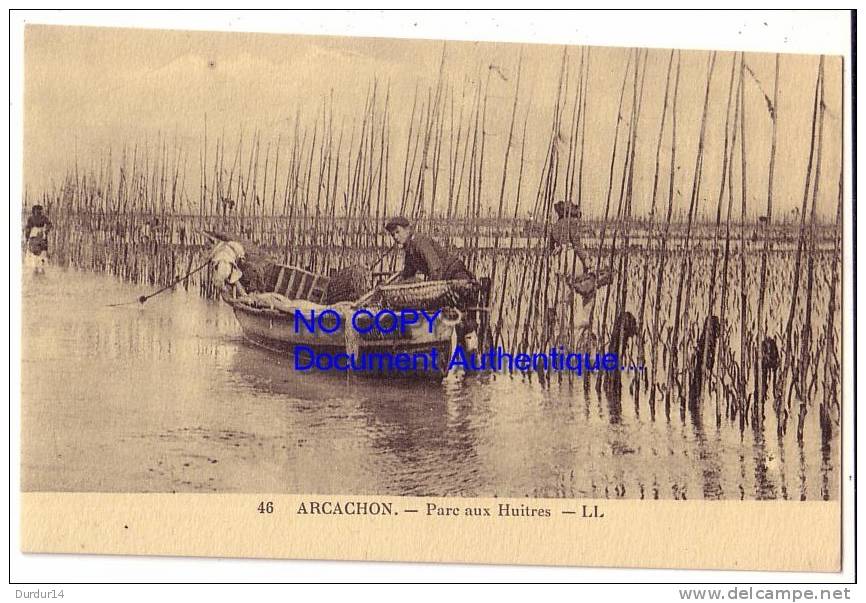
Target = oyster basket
(347,284)
(589,282)
(430,295)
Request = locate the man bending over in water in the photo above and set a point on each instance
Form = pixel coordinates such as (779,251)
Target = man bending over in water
(565,240)
(571,320)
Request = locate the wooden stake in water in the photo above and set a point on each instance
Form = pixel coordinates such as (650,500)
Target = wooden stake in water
(760,392)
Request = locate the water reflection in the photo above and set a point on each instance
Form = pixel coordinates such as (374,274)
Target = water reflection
(168,397)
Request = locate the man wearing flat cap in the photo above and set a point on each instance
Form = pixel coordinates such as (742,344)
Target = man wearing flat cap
(425,256)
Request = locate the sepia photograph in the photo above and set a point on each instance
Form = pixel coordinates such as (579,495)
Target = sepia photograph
(680,210)
(358,268)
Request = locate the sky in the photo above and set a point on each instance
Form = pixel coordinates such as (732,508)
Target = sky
(88,90)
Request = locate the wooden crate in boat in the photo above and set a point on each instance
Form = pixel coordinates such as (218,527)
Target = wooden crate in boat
(297,283)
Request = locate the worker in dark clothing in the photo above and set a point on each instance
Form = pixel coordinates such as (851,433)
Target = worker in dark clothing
(565,238)
(425,256)
(36,231)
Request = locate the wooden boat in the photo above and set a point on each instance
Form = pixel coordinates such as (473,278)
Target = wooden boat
(270,320)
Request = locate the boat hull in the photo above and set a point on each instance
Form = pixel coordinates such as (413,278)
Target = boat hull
(276,331)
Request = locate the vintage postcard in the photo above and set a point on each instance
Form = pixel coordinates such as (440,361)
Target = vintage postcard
(422,300)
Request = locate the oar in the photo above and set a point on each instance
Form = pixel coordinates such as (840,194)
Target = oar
(144,298)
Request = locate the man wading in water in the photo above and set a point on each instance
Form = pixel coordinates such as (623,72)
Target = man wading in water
(425,256)
(565,240)
(36,235)
(569,322)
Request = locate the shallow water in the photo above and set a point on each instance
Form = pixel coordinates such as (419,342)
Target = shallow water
(168,397)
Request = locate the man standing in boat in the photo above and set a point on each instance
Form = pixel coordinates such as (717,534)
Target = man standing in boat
(425,256)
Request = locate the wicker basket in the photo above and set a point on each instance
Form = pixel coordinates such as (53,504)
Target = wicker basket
(589,282)
(347,284)
(429,295)
(259,272)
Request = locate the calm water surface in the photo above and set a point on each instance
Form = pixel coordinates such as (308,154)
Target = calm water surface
(168,397)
